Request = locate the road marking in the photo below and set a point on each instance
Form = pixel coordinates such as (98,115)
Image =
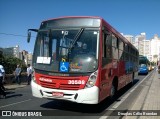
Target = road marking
(15,103)
(124,97)
(103,117)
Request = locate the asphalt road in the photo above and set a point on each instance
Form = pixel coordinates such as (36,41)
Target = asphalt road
(20,102)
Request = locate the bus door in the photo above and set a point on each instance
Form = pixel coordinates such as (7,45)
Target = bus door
(106,71)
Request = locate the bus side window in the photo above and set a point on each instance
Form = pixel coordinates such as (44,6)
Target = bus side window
(107,42)
(109,46)
(107,49)
(104,46)
(121,45)
(121,50)
(126,48)
(114,47)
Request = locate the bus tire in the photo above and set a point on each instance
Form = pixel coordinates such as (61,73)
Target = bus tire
(132,82)
(113,90)
(114,87)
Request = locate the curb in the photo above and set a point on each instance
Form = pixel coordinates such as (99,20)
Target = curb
(14,86)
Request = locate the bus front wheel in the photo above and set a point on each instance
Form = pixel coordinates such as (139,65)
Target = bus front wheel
(114,89)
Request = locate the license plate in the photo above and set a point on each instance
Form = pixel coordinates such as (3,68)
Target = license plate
(57,94)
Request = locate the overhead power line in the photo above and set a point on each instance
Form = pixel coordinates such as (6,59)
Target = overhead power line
(8,34)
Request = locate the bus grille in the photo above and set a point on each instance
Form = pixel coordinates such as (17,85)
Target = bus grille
(59,86)
(69,86)
(47,85)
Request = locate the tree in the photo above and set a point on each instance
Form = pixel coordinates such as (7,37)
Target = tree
(10,63)
(1,59)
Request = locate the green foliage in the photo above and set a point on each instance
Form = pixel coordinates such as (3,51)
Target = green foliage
(10,63)
(1,59)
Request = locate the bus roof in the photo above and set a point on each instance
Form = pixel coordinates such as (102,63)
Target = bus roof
(72,21)
(64,17)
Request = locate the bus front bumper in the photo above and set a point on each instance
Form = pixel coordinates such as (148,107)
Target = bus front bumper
(86,96)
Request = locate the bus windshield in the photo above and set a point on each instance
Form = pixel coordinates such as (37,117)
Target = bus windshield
(72,50)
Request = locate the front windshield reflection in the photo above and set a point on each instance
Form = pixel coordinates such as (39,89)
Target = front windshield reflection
(59,48)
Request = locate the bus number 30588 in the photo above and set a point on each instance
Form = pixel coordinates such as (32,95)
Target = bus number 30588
(76,82)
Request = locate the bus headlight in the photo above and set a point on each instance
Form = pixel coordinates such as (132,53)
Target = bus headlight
(92,80)
(33,78)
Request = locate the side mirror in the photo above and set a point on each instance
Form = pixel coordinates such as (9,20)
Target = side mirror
(29,36)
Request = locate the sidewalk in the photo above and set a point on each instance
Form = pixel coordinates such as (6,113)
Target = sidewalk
(149,98)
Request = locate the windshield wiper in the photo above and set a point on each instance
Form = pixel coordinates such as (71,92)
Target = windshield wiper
(76,38)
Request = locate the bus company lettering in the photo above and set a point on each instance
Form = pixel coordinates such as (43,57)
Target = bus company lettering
(76,82)
(45,79)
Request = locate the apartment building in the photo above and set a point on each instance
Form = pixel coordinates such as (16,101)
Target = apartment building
(130,38)
(11,51)
(140,42)
(149,48)
(155,48)
(15,52)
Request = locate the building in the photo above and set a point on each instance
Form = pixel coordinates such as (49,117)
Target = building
(11,51)
(143,45)
(130,38)
(155,48)
(26,57)
(24,54)
(147,49)
(140,43)
(15,52)
(29,58)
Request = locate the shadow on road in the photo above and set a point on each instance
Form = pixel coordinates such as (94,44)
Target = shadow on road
(14,95)
(87,108)
(11,94)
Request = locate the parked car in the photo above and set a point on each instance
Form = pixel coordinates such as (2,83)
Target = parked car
(143,69)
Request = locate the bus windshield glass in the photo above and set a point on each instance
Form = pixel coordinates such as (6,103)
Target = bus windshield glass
(72,50)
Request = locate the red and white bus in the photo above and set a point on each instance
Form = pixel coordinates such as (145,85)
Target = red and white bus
(81,59)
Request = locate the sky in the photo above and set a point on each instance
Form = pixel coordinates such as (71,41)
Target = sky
(130,17)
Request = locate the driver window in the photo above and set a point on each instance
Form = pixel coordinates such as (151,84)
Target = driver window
(44,46)
(54,44)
